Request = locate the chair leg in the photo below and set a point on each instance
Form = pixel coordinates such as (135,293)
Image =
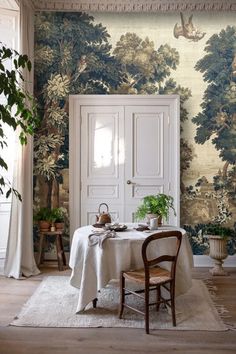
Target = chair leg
(122,294)
(62,250)
(41,249)
(147,309)
(59,253)
(158,298)
(172,296)
(95,302)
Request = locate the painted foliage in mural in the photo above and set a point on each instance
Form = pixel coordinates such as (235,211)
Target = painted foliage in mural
(217,121)
(74,54)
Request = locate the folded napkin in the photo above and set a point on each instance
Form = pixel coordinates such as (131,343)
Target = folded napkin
(100,237)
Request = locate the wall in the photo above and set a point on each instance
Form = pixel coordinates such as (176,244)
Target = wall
(192,55)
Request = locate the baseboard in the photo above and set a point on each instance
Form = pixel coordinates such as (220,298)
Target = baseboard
(206,261)
(199,261)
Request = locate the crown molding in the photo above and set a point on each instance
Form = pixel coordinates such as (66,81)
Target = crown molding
(9,5)
(134,5)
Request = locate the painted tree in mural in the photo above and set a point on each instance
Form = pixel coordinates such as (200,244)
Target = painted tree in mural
(217,121)
(72,56)
(146,70)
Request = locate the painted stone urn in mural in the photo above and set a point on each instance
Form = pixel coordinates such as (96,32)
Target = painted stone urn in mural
(155,206)
(218,237)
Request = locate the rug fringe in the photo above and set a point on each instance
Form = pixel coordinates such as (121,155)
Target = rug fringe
(230,326)
(221,309)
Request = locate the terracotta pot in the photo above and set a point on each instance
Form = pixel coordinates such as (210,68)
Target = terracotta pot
(44,225)
(59,225)
(159,220)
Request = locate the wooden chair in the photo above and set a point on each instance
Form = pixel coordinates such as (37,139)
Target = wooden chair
(153,277)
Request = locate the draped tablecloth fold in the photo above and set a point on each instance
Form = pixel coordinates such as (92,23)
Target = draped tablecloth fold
(93,267)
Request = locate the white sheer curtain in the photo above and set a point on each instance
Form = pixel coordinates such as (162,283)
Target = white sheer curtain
(20,256)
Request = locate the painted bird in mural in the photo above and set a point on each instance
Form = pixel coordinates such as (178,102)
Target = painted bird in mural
(188,30)
(82,65)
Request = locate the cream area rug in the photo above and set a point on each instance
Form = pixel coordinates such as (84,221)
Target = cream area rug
(54,304)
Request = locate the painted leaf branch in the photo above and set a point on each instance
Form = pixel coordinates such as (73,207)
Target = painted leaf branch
(17,108)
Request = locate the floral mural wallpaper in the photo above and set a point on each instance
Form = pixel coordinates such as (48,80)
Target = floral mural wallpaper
(193,55)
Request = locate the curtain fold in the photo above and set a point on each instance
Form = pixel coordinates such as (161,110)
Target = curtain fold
(20,255)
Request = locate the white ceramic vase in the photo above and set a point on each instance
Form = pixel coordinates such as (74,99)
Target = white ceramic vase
(151,216)
(218,252)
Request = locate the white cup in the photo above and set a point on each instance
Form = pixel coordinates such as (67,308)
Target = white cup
(153,223)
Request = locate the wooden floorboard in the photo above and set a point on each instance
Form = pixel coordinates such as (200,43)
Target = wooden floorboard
(28,340)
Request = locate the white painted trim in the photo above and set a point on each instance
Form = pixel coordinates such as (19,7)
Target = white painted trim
(134,5)
(206,261)
(199,261)
(5,209)
(175,162)
(74,162)
(2,253)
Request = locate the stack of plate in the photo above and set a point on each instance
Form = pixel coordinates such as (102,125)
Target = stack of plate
(116,227)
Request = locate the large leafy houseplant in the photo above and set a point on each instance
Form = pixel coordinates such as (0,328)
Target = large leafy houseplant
(18,108)
(159,204)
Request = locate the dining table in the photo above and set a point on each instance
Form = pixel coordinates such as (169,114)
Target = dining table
(94,265)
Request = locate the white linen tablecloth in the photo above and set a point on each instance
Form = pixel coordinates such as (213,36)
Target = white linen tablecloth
(93,267)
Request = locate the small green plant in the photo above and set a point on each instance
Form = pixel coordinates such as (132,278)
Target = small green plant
(43,214)
(159,204)
(218,230)
(58,214)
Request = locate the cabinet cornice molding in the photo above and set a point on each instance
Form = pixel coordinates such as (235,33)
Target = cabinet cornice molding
(134,5)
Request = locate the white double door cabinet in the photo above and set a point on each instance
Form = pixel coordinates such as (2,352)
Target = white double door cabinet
(121,149)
